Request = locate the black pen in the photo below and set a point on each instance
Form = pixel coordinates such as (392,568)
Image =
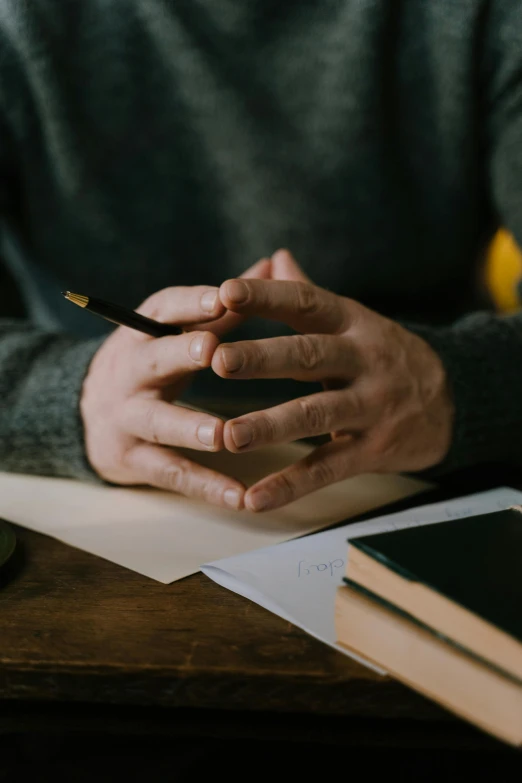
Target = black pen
(121,316)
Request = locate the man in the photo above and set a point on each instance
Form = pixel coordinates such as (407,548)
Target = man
(157,147)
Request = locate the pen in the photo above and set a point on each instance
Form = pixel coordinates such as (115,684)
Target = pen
(121,316)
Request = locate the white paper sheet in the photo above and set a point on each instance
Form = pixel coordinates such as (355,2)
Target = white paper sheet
(298,579)
(167,537)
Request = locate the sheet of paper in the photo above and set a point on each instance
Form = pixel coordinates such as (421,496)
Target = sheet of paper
(298,579)
(167,537)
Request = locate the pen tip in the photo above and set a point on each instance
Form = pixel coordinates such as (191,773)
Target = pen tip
(79,299)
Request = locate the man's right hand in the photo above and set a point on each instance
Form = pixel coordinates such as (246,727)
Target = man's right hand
(130,423)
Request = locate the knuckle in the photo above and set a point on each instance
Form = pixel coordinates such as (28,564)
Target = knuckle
(312,415)
(380,446)
(115,460)
(387,401)
(320,473)
(357,405)
(379,397)
(380,353)
(261,356)
(211,492)
(174,477)
(265,429)
(127,459)
(332,414)
(151,424)
(256,357)
(375,353)
(163,357)
(309,352)
(249,356)
(149,358)
(284,485)
(154,367)
(353,312)
(307,300)
(353,349)
(396,397)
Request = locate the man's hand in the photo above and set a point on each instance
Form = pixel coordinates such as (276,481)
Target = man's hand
(386,400)
(129,421)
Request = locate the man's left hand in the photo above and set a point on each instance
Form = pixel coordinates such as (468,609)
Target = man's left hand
(386,399)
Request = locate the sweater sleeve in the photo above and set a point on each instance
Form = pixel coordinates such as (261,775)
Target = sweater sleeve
(482,353)
(41,377)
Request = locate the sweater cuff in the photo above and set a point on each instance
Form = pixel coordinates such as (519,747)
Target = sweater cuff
(482,355)
(46,432)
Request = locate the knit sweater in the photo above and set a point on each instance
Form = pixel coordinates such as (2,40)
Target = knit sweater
(150,143)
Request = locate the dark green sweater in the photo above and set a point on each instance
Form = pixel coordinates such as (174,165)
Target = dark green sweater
(148,143)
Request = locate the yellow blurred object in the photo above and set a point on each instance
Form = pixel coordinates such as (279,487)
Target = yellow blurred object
(504,272)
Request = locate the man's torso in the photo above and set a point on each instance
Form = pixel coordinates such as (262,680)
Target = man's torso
(155,143)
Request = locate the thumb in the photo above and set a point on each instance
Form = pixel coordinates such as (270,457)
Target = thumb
(285,267)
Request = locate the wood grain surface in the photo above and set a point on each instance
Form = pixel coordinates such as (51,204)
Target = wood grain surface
(78,630)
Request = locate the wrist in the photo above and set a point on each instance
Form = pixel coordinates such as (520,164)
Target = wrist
(479,356)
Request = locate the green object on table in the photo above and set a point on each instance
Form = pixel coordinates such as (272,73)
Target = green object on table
(7,542)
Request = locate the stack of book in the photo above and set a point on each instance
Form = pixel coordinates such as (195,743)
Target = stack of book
(439,607)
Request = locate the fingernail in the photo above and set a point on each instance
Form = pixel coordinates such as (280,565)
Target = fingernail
(237,291)
(232,358)
(208,301)
(232,498)
(196,348)
(207,434)
(241,434)
(261,501)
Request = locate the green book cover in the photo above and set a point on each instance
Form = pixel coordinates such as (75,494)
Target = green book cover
(475,562)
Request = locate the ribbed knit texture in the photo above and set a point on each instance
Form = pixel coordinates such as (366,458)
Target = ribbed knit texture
(148,143)
(40,426)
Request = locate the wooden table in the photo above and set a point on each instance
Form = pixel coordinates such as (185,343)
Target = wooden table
(88,646)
